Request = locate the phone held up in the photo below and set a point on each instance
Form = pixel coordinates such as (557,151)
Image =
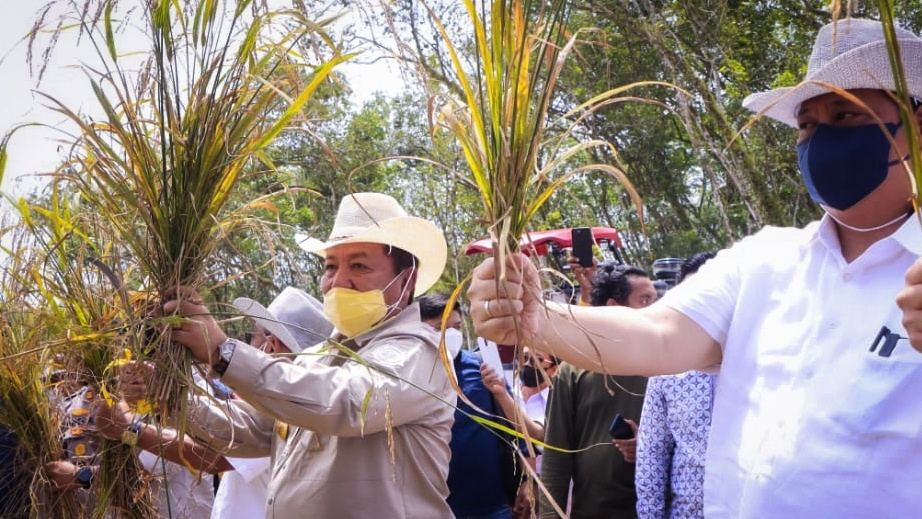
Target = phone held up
(582,245)
(620,429)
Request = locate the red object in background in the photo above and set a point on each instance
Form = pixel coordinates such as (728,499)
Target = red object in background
(506,353)
(535,243)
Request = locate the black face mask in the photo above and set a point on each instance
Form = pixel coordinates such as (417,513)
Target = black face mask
(530,376)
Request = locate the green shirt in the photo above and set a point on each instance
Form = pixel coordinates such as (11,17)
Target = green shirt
(580,410)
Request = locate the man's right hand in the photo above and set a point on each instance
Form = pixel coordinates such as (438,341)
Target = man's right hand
(583,276)
(499,305)
(494,382)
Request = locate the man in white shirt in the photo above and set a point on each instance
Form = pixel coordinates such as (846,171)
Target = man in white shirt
(817,412)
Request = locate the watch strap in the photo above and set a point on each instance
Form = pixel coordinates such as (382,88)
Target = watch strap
(85,476)
(225,353)
(130,435)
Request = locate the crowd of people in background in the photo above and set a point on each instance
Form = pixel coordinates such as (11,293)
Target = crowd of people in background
(341,408)
(585,472)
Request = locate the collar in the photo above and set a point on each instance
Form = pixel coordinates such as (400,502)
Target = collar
(908,235)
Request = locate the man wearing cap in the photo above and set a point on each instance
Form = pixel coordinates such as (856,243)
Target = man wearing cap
(361,427)
(817,413)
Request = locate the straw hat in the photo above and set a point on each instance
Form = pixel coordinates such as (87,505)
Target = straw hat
(378,218)
(294,316)
(848,54)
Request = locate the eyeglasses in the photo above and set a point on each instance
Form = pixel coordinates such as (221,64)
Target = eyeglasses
(249,335)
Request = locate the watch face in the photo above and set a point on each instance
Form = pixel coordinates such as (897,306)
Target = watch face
(85,476)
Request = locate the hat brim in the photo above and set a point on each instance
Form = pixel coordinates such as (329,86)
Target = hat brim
(254,310)
(417,236)
(848,71)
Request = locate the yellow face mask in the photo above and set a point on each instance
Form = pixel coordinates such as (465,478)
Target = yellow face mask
(353,312)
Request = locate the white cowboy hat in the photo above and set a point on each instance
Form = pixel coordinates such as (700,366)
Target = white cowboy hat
(294,316)
(378,218)
(848,54)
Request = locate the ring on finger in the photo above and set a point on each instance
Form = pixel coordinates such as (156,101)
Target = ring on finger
(486,308)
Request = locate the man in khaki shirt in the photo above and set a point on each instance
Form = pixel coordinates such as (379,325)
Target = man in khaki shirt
(359,426)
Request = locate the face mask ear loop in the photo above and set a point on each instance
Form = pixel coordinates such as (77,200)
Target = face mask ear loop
(403,289)
(406,286)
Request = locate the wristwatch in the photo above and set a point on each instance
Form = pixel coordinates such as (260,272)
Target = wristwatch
(85,476)
(130,435)
(225,352)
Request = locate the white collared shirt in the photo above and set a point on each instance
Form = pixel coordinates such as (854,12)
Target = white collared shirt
(242,492)
(808,422)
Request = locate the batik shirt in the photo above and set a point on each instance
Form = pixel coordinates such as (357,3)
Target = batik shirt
(78,434)
(671,445)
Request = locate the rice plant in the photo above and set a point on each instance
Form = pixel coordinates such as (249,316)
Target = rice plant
(517,154)
(27,409)
(220,81)
(86,326)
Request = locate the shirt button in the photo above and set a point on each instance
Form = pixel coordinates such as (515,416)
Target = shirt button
(270,500)
(833,324)
(848,276)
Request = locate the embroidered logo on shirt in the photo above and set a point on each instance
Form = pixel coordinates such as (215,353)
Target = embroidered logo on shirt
(389,356)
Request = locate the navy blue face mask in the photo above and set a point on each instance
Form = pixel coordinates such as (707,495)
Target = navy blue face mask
(842,165)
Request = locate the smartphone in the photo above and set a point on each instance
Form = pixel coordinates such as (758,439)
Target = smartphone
(582,245)
(489,353)
(620,429)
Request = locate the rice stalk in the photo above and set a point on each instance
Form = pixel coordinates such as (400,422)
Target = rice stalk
(904,102)
(219,82)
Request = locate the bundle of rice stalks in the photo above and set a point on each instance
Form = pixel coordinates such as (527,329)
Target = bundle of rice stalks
(85,319)
(514,152)
(518,156)
(26,408)
(178,132)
